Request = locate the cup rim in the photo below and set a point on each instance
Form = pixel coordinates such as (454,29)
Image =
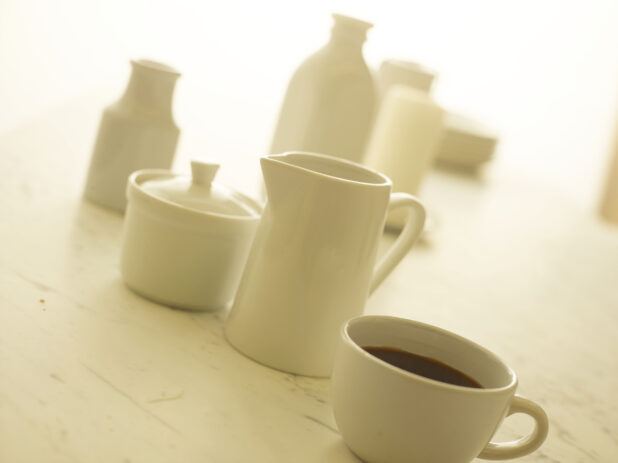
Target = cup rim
(511,385)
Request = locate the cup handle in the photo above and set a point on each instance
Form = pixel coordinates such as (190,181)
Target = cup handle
(525,445)
(410,232)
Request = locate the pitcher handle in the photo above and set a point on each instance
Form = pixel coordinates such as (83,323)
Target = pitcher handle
(410,232)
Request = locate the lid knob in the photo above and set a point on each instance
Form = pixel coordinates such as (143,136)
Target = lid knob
(203,172)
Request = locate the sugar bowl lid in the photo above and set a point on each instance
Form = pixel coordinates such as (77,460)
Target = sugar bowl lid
(199,193)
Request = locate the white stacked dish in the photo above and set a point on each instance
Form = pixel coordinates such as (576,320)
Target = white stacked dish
(465,142)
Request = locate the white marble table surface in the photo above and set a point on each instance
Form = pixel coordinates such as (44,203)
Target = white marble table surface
(90,372)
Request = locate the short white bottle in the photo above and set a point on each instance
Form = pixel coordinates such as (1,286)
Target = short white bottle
(408,73)
(137,132)
(330,101)
(403,141)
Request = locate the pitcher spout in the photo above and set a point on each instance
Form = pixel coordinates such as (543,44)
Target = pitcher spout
(285,177)
(276,181)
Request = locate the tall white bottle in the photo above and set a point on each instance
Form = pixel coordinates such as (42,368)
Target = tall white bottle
(329,104)
(137,132)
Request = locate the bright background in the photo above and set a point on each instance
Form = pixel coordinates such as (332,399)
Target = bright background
(543,73)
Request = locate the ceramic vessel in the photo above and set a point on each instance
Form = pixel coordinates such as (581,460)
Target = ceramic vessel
(403,141)
(609,197)
(465,142)
(408,73)
(311,266)
(330,100)
(137,132)
(385,413)
(186,241)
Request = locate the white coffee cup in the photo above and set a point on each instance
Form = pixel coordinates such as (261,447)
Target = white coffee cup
(387,414)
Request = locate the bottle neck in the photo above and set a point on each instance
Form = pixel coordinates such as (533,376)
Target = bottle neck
(348,33)
(151,86)
(349,46)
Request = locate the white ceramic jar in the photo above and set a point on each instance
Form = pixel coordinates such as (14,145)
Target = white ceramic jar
(313,263)
(186,240)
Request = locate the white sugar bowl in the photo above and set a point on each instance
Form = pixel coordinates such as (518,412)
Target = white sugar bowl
(186,240)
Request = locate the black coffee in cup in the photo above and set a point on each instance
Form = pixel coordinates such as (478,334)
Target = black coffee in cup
(424,366)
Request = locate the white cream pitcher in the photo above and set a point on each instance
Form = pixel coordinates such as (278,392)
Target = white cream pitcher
(312,263)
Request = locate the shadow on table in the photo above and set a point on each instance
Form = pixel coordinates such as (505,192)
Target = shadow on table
(471,172)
